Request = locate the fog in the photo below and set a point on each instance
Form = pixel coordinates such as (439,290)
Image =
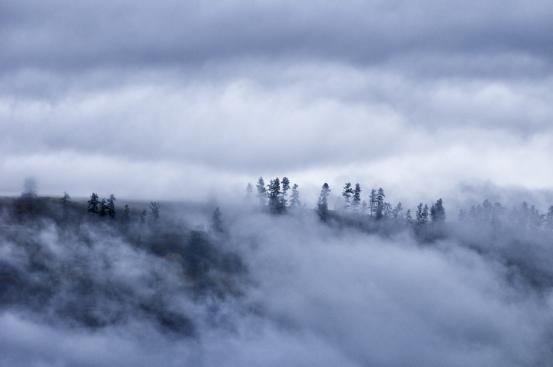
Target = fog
(268,289)
(175,106)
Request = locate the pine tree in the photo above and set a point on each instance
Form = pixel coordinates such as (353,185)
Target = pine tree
(347,194)
(93,203)
(397,212)
(103,208)
(111,206)
(261,191)
(295,199)
(380,207)
(285,188)
(425,213)
(356,202)
(322,204)
(372,203)
(422,214)
(408,216)
(388,210)
(143,216)
(275,196)
(437,212)
(65,200)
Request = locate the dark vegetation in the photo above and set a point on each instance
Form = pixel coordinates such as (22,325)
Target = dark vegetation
(66,256)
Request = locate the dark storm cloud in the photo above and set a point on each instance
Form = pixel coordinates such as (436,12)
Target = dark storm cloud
(69,35)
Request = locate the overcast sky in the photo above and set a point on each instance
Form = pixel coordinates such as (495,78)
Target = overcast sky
(170,99)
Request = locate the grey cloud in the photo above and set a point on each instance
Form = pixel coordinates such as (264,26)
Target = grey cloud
(276,88)
(75,35)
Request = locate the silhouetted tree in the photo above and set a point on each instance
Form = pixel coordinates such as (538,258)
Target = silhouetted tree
(380,207)
(143,216)
(397,212)
(322,204)
(356,201)
(111,206)
(372,203)
(425,213)
(437,212)
(275,196)
(422,214)
(103,208)
(295,199)
(408,216)
(347,193)
(65,200)
(285,188)
(388,210)
(261,191)
(93,203)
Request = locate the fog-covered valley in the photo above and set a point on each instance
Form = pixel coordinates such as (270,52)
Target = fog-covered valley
(269,282)
(276,183)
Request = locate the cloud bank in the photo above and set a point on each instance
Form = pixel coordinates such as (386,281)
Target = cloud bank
(182,97)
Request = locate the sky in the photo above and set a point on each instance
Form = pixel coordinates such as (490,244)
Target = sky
(189,100)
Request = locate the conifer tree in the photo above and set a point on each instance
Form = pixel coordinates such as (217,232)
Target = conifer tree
(422,214)
(372,203)
(388,210)
(285,188)
(261,191)
(93,203)
(347,193)
(275,196)
(295,199)
(65,200)
(322,204)
(356,201)
(111,206)
(397,212)
(408,216)
(380,207)
(425,213)
(103,208)
(437,212)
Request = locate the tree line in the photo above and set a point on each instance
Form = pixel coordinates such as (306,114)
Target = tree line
(279,196)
